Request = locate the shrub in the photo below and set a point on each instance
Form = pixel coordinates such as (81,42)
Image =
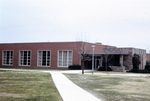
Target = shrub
(139,71)
(147,67)
(104,69)
(74,67)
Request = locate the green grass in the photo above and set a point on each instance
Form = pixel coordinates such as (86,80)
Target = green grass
(114,88)
(27,86)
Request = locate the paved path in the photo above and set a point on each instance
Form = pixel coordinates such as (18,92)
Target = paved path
(69,91)
(127,74)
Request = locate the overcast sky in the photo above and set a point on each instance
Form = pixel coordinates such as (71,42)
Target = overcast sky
(121,23)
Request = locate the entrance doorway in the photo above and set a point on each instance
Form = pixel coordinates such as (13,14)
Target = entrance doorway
(97,63)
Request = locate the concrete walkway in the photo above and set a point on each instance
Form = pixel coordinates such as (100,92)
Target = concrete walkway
(69,91)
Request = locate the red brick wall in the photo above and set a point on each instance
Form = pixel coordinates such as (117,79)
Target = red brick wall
(148,57)
(53,47)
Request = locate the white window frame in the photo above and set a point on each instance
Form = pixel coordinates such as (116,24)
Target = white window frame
(41,59)
(9,58)
(27,57)
(62,58)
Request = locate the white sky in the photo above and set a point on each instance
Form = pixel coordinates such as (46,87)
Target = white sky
(121,23)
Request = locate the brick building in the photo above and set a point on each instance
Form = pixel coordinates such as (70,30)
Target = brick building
(60,55)
(148,57)
(55,55)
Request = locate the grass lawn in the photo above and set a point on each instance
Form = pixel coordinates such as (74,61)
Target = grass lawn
(114,88)
(27,86)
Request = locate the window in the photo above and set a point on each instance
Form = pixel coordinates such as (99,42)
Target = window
(7,57)
(25,58)
(44,58)
(64,58)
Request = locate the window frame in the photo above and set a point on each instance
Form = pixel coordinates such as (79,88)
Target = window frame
(62,58)
(9,56)
(27,59)
(46,57)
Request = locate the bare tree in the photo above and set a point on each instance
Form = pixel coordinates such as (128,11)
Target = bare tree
(83,50)
(84,54)
(107,57)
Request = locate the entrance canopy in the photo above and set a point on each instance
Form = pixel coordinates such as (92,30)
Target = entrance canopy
(103,53)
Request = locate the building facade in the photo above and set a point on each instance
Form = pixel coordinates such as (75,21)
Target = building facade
(52,55)
(60,55)
(125,58)
(148,57)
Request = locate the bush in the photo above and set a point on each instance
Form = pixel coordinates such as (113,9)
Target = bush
(74,67)
(104,69)
(139,71)
(147,67)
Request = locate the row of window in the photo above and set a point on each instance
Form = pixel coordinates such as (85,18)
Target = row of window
(43,58)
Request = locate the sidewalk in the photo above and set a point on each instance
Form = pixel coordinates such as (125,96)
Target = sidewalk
(69,91)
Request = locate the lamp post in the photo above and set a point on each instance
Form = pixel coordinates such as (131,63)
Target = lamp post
(93,46)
